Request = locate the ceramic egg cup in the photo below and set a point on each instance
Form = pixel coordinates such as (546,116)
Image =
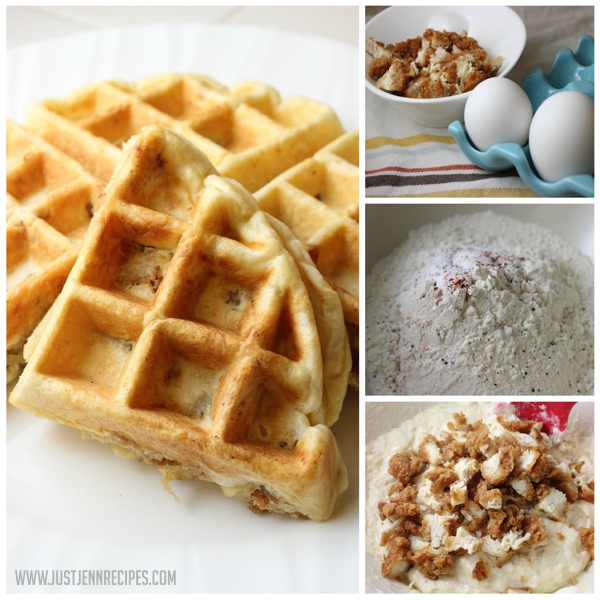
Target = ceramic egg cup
(573,72)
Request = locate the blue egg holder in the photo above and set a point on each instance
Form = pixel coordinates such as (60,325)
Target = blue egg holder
(574,72)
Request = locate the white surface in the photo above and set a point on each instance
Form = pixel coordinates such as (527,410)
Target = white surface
(72,504)
(34,23)
(388,225)
(294,64)
(498,29)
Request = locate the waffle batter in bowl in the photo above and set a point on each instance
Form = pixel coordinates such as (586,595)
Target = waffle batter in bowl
(468,498)
(480,304)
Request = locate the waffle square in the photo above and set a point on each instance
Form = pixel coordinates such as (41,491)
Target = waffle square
(187,335)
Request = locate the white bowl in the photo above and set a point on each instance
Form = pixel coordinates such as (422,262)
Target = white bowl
(388,225)
(498,29)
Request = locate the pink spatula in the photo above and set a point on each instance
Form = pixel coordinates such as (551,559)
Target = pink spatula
(554,415)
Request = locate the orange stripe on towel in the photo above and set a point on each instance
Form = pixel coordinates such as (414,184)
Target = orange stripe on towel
(426,169)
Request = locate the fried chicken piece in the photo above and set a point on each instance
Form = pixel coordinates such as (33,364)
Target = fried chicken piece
(480,571)
(398,558)
(261,501)
(542,467)
(475,516)
(441,478)
(411,526)
(552,501)
(487,496)
(377,49)
(395,79)
(405,466)
(460,421)
(586,492)
(432,564)
(533,525)
(520,482)
(406,527)
(429,451)
(514,519)
(522,425)
(452,449)
(458,493)
(477,442)
(577,466)
(568,488)
(379,66)
(494,525)
(497,468)
(466,43)
(401,504)
(407,50)
(396,489)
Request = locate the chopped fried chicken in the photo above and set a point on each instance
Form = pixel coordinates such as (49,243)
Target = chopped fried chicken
(436,65)
(398,558)
(432,564)
(481,487)
(404,466)
(480,571)
(497,468)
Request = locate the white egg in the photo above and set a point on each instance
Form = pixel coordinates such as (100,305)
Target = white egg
(498,111)
(561,138)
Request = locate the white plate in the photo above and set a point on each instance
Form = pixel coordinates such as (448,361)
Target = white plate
(314,67)
(71,504)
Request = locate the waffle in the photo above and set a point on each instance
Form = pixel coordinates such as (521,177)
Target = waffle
(50,201)
(186,335)
(318,200)
(246,132)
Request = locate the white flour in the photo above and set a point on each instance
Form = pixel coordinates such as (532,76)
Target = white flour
(481,304)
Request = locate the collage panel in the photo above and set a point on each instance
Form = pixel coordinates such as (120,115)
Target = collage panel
(479,497)
(182,241)
(479,101)
(479,300)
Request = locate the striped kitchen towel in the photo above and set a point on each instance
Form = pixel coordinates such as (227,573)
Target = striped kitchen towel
(404,158)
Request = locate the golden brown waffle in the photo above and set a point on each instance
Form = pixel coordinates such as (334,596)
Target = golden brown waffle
(246,132)
(318,200)
(50,201)
(186,334)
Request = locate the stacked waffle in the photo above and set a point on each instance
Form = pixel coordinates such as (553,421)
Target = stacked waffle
(194,330)
(247,133)
(318,200)
(50,202)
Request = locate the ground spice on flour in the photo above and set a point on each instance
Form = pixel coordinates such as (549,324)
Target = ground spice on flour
(481,304)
